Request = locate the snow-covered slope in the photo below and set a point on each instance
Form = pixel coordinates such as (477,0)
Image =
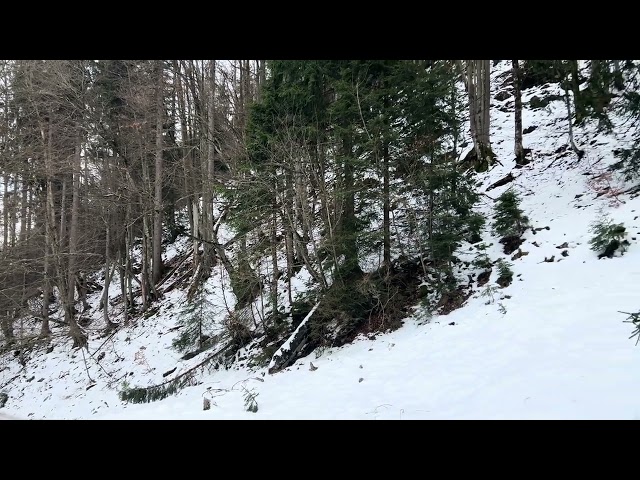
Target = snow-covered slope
(550,345)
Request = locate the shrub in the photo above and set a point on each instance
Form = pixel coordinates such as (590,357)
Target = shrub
(505,274)
(509,219)
(608,237)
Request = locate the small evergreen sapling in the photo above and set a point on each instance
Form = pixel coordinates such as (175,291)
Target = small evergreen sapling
(197,317)
(608,237)
(634,318)
(505,274)
(509,219)
(250,402)
(481,259)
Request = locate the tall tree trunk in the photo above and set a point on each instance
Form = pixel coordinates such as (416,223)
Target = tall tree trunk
(518,149)
(62,236)
(158,209)
(45,330)
(478,81)
(578,100)
(5,212)
(24,203)
(79,338)
(208,177)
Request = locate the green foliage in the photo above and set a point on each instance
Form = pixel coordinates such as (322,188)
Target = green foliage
(509,219)
(156,392)
(197,317)
(631,109)
(475,222)
(482,260)
(505,274)
(489,292)
(634,318)
(250,402)
(346,127)
(607,236)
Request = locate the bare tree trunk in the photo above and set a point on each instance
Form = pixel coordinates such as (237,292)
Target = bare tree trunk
(575,88)
(30,210)
(518,150)
(107,279)
(79,338)
(473,104)
(5,212)
(478,83)
(157,218)
(45,330)
(274,255)
(208,177)
(23,206)
(63,214)
(486,103)
(127,288)
(575,149)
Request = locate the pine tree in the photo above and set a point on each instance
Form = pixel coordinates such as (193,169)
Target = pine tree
(505,274)
(630,157)
(509,219)
(197,320)
(608,237)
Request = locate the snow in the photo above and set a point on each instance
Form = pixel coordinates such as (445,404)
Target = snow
(286,346)
(552,345)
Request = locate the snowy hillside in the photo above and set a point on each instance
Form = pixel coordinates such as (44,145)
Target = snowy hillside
(552,345)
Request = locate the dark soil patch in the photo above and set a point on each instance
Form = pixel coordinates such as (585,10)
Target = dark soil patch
(504,281)
(452,300)
(483,278)
(511,243)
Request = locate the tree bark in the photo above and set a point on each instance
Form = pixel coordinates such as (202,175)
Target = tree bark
(157,219)
(79,337)
(518,149)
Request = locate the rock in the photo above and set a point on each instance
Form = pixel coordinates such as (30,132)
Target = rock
(519,254)
(549,260)
(529,129)
(50,349)
(312,367)
(206,403)
(511,243)
(3,399)
(452,323)
(502,95)
(565,253)
(484,277)
(564,245)
(360,380)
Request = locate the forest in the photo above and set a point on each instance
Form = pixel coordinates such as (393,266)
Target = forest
(358,172)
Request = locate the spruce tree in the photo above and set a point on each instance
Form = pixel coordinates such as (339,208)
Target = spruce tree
(608,237)
(197,319)
(509,219)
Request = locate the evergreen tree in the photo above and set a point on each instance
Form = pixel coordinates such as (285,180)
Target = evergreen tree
(630,157)
(608,237)
(509,219)
(197,319)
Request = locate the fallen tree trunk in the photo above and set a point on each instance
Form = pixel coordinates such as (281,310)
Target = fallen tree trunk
(503,181)
(287,352)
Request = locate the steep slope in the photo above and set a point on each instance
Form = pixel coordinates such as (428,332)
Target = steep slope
(550,345)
